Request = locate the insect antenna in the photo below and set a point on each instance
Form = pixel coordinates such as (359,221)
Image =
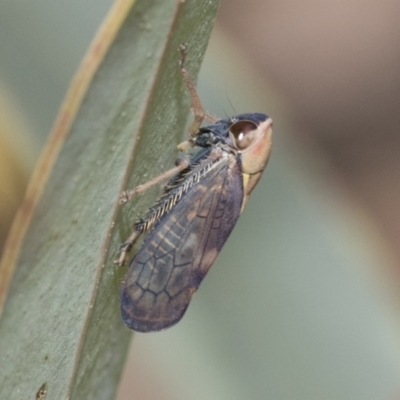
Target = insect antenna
(230,103)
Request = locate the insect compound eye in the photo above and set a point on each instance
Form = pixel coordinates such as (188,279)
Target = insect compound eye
(242,133)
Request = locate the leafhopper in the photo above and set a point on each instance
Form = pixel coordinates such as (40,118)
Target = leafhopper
(191,221)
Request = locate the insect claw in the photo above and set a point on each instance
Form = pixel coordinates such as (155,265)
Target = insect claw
(182,48)
(124,250)
(123,197)
(117,262)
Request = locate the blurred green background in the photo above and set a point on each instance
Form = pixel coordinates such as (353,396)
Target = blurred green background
(303,301)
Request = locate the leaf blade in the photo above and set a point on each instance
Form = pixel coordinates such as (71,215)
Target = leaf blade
(62,318)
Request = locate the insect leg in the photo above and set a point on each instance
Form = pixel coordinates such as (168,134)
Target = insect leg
(127,195)
(126,247)
(196,107)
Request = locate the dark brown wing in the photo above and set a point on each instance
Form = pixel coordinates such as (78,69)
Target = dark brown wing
(179,251)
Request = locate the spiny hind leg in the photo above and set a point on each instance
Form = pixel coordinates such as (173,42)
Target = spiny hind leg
(127,195)
(196,107)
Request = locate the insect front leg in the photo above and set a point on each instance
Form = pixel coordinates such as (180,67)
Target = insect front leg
(196,107)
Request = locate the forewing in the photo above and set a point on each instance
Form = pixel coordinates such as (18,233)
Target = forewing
(179,251)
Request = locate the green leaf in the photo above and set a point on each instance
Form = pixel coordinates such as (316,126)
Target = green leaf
(123,116)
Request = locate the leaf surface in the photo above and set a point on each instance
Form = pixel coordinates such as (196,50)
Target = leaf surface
(123,115)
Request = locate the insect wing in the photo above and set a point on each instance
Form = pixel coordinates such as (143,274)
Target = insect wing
(179,251)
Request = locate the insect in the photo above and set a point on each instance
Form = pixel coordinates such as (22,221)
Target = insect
(197,211)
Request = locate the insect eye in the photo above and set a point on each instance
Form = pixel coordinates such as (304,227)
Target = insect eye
(241,133)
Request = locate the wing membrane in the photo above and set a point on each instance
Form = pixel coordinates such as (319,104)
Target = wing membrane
(179,251)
